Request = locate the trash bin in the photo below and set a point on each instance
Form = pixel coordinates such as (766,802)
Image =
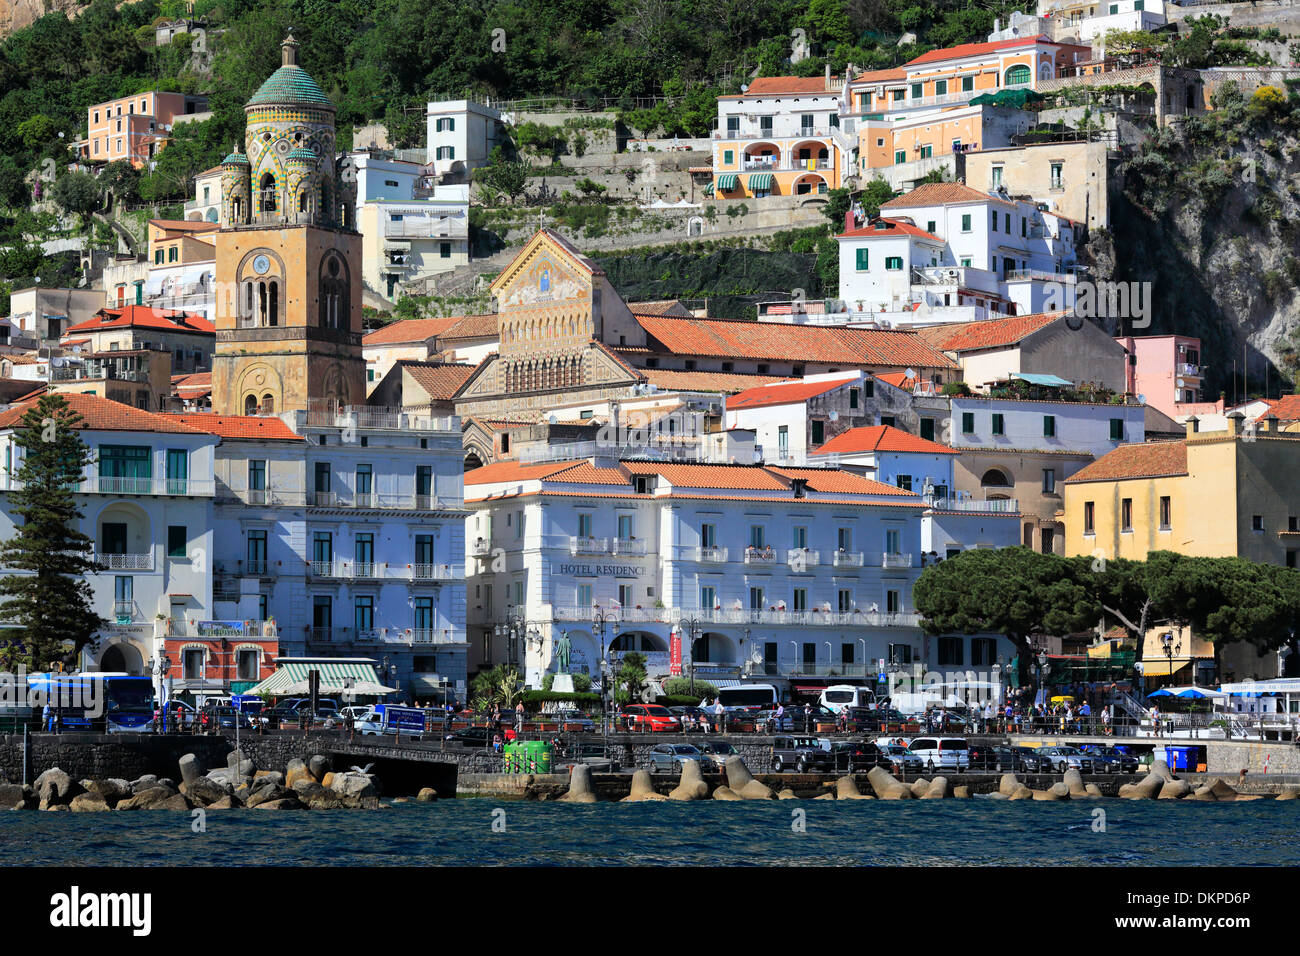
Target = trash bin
(512,758)
(1178,758)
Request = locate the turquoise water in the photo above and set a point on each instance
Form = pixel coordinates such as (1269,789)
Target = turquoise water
(1260,833)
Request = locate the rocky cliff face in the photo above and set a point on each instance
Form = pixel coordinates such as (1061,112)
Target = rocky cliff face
(1209,214)
(16,14)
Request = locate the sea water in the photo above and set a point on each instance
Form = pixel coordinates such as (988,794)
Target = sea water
(489,832)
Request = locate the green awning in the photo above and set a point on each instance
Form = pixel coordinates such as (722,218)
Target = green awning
(1017,98)
(728,182)
(290,678)
(708,190)
(1036,378)
(760,181)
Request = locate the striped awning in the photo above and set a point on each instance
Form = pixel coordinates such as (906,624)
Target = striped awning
(760,181)
(728,182)
(708,190)
(290,678)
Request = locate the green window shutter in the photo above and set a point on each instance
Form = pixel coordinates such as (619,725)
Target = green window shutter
(1117,429)
(862,262)
(967,423)
(728,157)
(999,428)
(1049,426)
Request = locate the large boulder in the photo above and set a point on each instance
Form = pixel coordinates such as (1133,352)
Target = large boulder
(1094,791)
(961,791)
(937,790)
(740,781)
(427,795)
(1174,790)
(1009,784)
(726,793)
(1147,788)
(1289,792)
(1161,769)
(12,797)
(112,789)
(318,766)
(144,799)
(55,787)
(283,803)
(886,785)
(327,780)
(350,783)
(692,785)
(580,788)
(191,769)
(322,799)
(89,802)
(297,770)
(141,784)
(225,803)
(176,801)
(1222,790)
(846,788)
(919,787)
(203,791)
(1057,791)
(266,794)
(788,794)
(643,788)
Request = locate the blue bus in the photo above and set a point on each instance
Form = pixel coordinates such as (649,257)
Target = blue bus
(108,702)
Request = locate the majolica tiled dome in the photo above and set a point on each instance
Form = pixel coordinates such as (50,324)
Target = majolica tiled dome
(290,85)
(301,155)
(235,159)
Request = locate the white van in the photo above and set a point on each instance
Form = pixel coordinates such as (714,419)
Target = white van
(748,697)
(839,696)
(941,753)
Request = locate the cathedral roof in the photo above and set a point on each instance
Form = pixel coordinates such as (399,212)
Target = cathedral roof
(290,85)
(238,159)
(301,154)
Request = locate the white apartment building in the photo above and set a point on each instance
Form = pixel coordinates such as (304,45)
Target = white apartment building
(946,252)
(788,575)
(408,241)
(346,527)
(461,135)
(206,204)
(147,504)
(1088,20)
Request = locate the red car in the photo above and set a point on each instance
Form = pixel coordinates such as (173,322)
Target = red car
(649,717)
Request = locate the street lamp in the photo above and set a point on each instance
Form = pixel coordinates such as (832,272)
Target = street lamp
(692,625)
(599,618)
(1171,647)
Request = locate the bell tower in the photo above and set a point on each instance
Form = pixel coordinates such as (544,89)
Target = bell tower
(288,270)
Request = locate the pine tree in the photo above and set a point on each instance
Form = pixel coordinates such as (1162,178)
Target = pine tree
(51,604)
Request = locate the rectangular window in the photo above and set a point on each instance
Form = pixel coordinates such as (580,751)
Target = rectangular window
(1166,513)
(844,539)
(950,651)
(927,429)
(927,151)
(422,619)
(1049,481)
(363,613)
(1117,429)
(424,486)
(893,602)
(983,651)
(1257,523)
(994,224)
(1089,517)
(322,616)
(708,597)
(1126,514)
(999,425)
(917,89)
(584,595)
(845,601)
(424,549)
(1006,223)
(708,536)
(968,423)
(625,528)
(799,599)
(733,125)
(444,250)
(904,482)
(364,484)
(177,540)
(853,398)
(893,263)
(893,542)
(127,468)
(1049,426)
(364,553)
(783,440)
(256,475)
(967,83)
(728,157)
(584,526)
(322,547)
(861,259)
(321,474)
(1057,178)
(940,87)
(257,552)
(757,537)
(900,156)
(997,176)
(965,226)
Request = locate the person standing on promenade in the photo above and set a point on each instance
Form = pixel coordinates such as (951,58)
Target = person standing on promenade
(519,718)
(720,715)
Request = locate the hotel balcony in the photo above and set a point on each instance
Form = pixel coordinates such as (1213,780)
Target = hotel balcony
(383,635)
(847,559)
(383,571)
(587,545)
(101,485)
(814,618)
(125,562)
(803,556)
(627,546)
(706,555)
(333,500)
(892,560)
(760,555)
(994,506)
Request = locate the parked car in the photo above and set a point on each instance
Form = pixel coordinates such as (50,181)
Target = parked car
(942,753)
(1062,759)
(802,754)
(892,721)
(667,758)
(655,718)
(690,717)
(995,759)
(768,722)
(472,736)
(563,717)
(717,751)
(858,756)
(901,760)
(227,718)
(1032,761)
(1111,760)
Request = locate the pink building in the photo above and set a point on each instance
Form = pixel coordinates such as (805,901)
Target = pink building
(135,127)
(1166,370)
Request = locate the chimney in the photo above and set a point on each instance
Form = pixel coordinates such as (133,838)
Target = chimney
(1192,426)
(848,220)
(828,77)
(1234,423)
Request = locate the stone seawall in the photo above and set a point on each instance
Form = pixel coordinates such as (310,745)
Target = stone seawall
(100,756)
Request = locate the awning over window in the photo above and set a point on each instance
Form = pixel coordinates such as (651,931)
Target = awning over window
(728,182)
(1160,668)
(708,190)
(290,679)
(760,181)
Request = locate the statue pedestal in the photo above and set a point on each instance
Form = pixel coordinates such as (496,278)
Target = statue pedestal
(563,684)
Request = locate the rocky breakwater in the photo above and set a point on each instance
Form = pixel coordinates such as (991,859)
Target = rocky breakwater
(301,785)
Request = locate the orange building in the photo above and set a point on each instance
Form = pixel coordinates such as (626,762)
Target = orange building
(135,127)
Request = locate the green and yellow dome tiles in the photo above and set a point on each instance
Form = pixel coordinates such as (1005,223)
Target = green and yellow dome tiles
(290,85)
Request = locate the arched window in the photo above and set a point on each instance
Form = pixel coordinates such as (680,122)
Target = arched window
(268,404)
(993,478)
(273,309)
(302,201)
(1018,75)
(266,193)
(335,295)
(250,405)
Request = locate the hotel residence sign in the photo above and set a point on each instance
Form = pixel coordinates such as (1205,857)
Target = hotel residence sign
(598,570)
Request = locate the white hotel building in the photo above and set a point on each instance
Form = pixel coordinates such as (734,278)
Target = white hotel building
(795,576)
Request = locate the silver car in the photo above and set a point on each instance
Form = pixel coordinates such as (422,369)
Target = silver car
(667,758)
(901,759)
(1062,759)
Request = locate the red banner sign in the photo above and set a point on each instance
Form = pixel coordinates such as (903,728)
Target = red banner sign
(675,653)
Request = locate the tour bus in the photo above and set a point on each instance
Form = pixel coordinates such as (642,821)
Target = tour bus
(96,701)
(748,697)
(956,695)
(838,697)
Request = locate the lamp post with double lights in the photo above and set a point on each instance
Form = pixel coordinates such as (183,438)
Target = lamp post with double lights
(1172,647)
(599,619)
(692,625)
(1042,668)
(159,668)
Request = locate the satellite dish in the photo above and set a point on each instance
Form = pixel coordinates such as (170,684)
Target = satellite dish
(910,373)
(1142,399)
(744,87)
(835,416)
(1180,383)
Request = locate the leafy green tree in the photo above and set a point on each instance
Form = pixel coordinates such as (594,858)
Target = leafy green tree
(37,132)
(50,605)
(77,193)
(122,180)
(506,178)
(629,677)
(497,686)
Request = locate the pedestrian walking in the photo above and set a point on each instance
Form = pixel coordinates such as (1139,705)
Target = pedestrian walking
(519,717)
(47,717)
(719,715)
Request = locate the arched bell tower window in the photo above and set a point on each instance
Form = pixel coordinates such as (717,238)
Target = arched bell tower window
(250,405)
(268,404)
(266,193)
(335,295)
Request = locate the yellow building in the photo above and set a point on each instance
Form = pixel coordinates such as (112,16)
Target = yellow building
(288,311)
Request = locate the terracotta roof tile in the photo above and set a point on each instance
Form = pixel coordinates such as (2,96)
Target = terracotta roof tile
(732,338)
(743,477)
(1286,409)
(1157,459)
(185,225)
(102,414)
(143,317)
(409,330)
(834,481)
(976,49)
(937,194)
(474,327)
(441,380)
(882,438)
(987,333)
(672,379)
(772,85)
(499,471)
(881,76)
(887,228)
(661,307)
(783,393)
(266,427)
